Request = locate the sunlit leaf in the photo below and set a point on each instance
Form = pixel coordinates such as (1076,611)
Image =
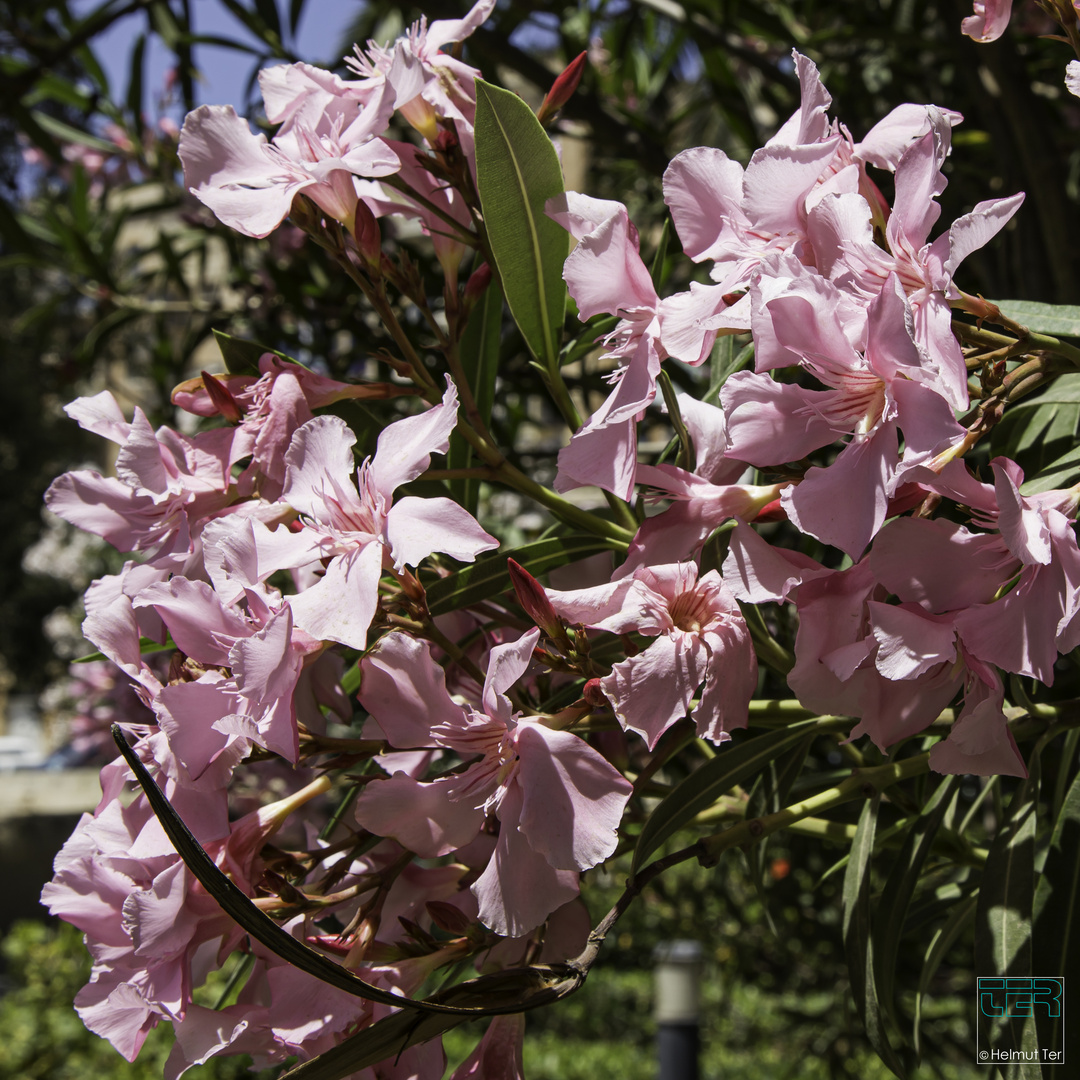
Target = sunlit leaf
(517,171)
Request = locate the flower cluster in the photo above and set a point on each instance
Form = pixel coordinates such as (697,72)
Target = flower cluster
(496,763)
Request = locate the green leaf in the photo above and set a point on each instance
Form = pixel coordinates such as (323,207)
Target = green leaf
(1037,432)
(1062,472)
(1056,909)
(1043,318)
(66,133)
(858,944)
(732,765)
(135,83)
(517,171)
(479,353)
(242,357)
(891,913)
(940,944)
(146,646)
(1003,915)
(489,577)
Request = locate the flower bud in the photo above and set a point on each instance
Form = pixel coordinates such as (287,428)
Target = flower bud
(534,600)
(594,695)
(475,287)
(221,398)
(367,235)
(562,89)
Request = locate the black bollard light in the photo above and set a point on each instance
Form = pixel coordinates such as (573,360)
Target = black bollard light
(677,1008)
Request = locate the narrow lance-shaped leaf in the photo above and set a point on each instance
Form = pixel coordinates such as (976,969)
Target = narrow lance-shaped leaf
(239,906)
(487,578)
(1043,318)
(517,171)
(1003,915)
(943,940)
(1056,913)
(479,353)
(888,920)
(858,945)
(702,788)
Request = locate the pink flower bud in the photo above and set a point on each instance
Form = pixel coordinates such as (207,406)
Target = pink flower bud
(562,89)
(367,235)
(447,917)
(594,695)
(475,287)
(222,399)
(534,600)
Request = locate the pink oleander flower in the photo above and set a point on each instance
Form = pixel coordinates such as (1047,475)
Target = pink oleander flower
(875,389)
(120,881)
(166,482)
(989,20)
(737,218)
(356,530)
(702,645)
(443,84)
(893,666)
(250,183)
(605,274)
(268,409)
(557,801)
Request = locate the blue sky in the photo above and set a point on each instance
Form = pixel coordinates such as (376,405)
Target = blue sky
(225,71)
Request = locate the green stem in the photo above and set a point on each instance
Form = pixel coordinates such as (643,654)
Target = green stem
(862,784)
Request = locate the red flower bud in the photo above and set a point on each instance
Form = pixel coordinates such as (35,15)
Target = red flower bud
(594,695)
(534,600)
(475,287)
(562,89)
(367,235)
(222,399)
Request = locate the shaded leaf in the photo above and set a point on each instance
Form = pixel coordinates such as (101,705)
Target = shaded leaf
(479,353)
(489,577)
(1056,910)
(242,357)
(858,944)
(890,916)
(1003,915)
(732,765)
(940,944)
(517,171)
(1043,318)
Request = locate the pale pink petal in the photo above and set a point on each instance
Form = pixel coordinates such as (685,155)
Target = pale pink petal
(910,642)
(417,527)
(730,683)
(320,468)
(770,422)
(989,20)
(520,888)
(421,817)
(572,798)
(506,664)
(980,741)
(939,564)
(651,691)
(844,504)
(198,622)
(341,604)
(100,415)
(703,189)
(405,691)
(758,572)
(778,179)
(405,447)
(498,1055)
(444,31)
(809,124)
